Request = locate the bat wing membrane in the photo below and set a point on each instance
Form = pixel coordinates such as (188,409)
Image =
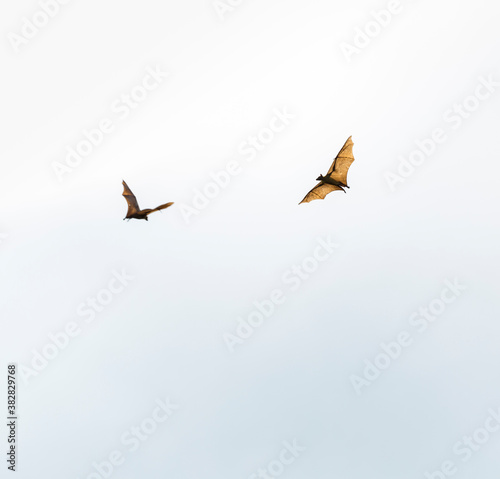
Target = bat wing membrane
(319,192)
(162,207)
(343,161)
(133,206)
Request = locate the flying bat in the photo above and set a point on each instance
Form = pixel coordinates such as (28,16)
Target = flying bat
(133,207)
(336,178)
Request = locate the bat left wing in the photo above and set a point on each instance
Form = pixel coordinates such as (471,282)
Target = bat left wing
(343,161)
(320,191)
(158,208)
(162,207)
(133,206)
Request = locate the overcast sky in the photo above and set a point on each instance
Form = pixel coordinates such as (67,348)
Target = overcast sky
(374,346)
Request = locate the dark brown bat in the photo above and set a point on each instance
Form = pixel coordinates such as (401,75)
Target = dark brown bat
(133,207)
(336,178)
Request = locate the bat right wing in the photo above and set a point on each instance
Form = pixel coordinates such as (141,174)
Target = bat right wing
(320,191)
(343,161)
(133,207)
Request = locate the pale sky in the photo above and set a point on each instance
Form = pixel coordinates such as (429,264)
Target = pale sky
(137,315)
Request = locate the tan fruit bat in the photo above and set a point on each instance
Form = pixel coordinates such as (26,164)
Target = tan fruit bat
(133,207)
(336,178)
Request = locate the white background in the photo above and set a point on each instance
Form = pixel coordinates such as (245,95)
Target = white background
(163,335)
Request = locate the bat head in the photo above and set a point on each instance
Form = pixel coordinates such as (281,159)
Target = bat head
(320,178)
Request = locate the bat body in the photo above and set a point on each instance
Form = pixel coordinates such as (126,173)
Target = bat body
(133,207)
(336,178)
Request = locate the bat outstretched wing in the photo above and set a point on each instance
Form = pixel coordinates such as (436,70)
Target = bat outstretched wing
(320,191)
(133,206)
(343,161)
(162,207)
(148,211)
